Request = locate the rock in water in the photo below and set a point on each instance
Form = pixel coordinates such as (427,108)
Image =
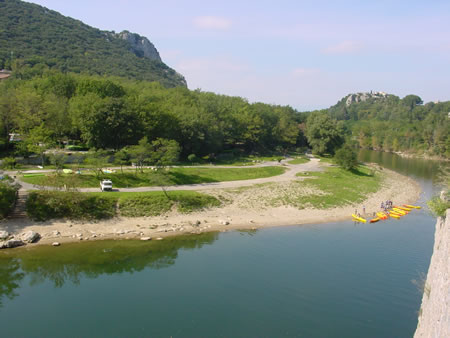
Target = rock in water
(12,243)
(30,236)
(4,234)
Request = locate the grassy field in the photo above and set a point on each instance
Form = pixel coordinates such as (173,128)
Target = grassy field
(299,160)
(174,176)
(339,187)
(44,205)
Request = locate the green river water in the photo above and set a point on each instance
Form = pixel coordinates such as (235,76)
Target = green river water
(327,280)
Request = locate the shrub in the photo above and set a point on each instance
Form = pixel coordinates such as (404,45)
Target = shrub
(9,163)
(44,205)
(346,158)
(438,206)
(7,198)
(192,158)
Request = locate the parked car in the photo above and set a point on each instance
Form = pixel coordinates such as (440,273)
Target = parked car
(106,185)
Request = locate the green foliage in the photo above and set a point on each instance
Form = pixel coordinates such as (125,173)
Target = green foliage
(346,157)
(113,113)
(192,158)
(8,162)
(157,203)
(7,197)
(34,39)
(44,205)
(394,124)
(58,160)
(324,134)
(438,207)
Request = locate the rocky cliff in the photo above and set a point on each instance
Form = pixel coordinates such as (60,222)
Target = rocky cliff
(434,315)
(361,97)
(140,45)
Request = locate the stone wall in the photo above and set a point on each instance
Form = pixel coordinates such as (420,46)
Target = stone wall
(434,315)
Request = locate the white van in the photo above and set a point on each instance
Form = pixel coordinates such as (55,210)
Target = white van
(106,185)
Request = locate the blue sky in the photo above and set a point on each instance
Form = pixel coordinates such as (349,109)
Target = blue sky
(307,54)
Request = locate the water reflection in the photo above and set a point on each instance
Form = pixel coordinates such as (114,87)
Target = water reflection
(421,168)
(75,261)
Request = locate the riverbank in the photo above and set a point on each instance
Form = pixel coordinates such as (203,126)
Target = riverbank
(245,208)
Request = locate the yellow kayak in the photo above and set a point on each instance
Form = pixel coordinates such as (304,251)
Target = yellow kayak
(359,219)
(412,206)
(394,215)
(403,208)
(400,211)
(393,212)
(382,215)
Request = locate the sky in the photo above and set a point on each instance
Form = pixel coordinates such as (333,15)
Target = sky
(306,54)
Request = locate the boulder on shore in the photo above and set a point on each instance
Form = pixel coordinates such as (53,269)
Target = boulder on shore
(12,243)
(30,236)
(4,234)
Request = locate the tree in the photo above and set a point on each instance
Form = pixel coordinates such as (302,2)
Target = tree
(122,157)
(98,161)
(192,158)
(38,141)
(346,158)
(140,153)
(164,152)
(324,134)
(58,160)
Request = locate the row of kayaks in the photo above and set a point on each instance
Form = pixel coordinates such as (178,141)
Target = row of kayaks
(395,212)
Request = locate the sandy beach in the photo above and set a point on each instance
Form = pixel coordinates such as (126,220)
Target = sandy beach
(247,207)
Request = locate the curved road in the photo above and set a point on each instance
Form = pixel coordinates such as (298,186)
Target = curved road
(288,175)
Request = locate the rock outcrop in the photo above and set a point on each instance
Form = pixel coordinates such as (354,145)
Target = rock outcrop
(140,45)
(434,315)
(361,97)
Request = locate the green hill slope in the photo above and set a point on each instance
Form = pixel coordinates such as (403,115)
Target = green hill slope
(32,34)
(386,122)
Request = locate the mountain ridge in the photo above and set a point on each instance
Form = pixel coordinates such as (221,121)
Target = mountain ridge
(37,35)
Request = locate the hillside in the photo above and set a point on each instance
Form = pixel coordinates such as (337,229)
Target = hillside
(386,122)
(32,34)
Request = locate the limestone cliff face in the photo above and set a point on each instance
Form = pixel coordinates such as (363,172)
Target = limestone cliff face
(361,97)
(140,45)
(434,315)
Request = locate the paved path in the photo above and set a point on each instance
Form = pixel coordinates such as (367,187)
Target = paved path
(288,175)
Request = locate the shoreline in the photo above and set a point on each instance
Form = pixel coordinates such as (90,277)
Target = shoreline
(238,215)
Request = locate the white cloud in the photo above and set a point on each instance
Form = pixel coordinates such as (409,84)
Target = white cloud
(212,23)
(345,47)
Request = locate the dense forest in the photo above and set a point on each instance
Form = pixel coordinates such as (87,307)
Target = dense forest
(57,109)
(394,124)
(110,113)
(31,35)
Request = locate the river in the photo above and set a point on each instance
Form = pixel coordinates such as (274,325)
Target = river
(328,280)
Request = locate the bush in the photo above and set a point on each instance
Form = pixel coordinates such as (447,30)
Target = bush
(44,205)
(7,198)
(438,206)
(346,158)
(9,163)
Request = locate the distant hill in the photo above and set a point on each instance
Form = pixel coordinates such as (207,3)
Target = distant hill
(37,35)
(382,121)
